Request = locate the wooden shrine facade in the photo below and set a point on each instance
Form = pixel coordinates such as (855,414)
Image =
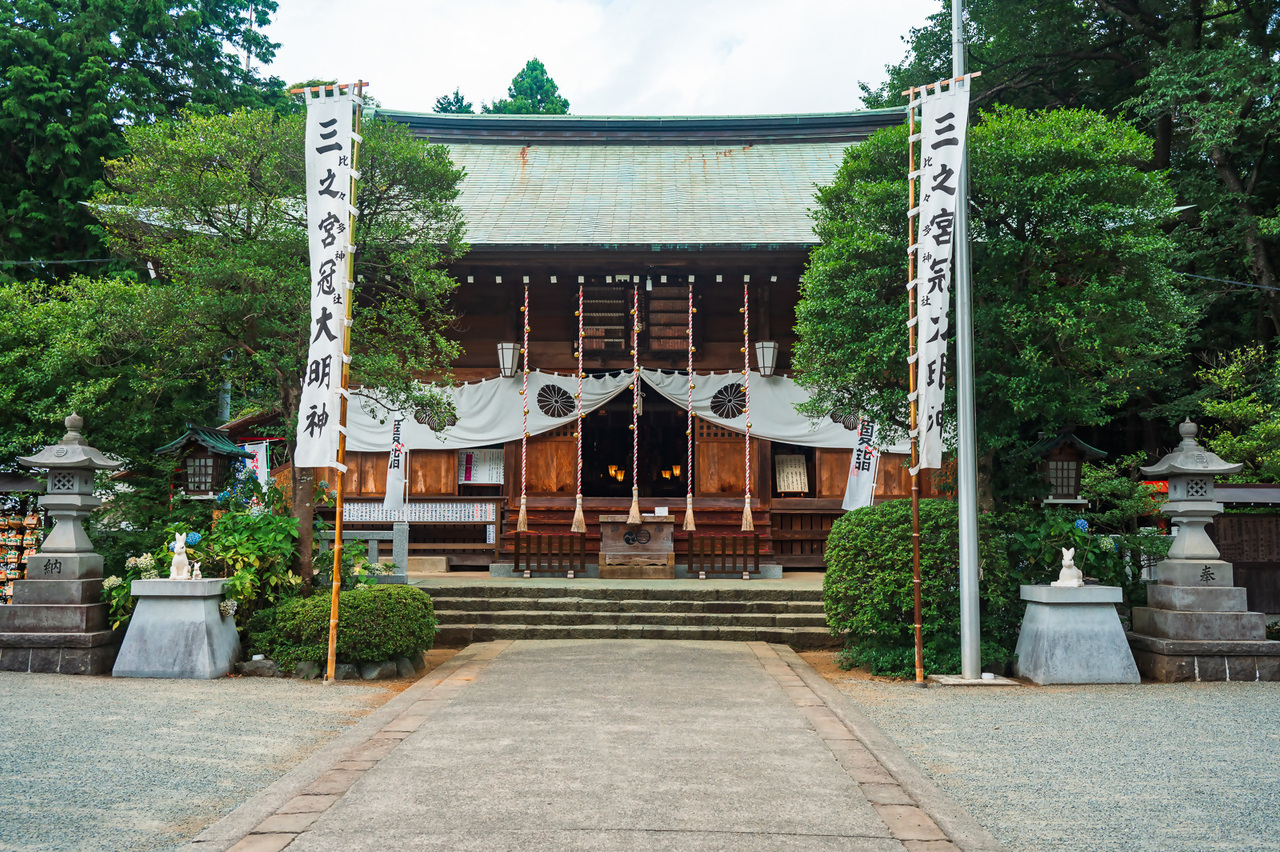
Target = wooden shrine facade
(666,207)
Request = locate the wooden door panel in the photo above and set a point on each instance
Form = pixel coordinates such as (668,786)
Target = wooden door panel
(720,468)
(433,472)
(553,462)
(833,471)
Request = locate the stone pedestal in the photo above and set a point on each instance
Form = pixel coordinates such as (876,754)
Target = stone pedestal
(639,552)
(1196,626)
(177,631)
(57,622)
(1073,635)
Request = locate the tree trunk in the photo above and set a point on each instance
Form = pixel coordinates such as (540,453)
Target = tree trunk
(304,510)
(986,488)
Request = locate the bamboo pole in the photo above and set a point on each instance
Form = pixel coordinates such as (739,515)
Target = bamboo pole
(342,402)
(912,219)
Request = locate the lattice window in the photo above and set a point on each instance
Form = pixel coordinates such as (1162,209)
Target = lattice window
(199,472)
(565,431)
(61,481)
(707,429)
(668,318)
(606,319)
(1197,488)
(1064,479)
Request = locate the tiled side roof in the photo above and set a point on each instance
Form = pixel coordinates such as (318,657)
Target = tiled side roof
(606,195)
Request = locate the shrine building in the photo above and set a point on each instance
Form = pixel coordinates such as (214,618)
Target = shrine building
(657,212)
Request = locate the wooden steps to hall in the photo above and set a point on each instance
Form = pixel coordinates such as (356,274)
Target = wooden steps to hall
(741,611)
(714,516)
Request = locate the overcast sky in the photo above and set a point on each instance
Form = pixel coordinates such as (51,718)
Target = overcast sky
(609,57)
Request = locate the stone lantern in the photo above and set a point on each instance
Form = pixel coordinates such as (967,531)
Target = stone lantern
(57,621)
(1196,625)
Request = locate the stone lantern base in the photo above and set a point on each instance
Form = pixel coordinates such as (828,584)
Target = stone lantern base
(58,626)
(1196,627)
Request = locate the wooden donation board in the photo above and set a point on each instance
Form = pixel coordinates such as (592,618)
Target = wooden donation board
(792,474)
(630,552)
(443,512)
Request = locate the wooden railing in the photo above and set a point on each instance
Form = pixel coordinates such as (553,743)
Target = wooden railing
(550,553)
(723,554)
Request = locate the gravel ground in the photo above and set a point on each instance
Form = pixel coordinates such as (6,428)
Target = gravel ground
(1154,767)
(96,763)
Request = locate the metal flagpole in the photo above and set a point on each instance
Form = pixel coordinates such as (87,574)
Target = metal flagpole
(966,451)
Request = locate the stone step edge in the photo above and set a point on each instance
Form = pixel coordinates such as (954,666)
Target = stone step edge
(739,593)
(531,617)
(637,604)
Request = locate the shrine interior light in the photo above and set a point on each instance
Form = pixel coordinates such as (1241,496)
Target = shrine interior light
(766,356)
(508,358)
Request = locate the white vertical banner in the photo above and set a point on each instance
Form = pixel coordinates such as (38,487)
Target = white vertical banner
(943,124)
(394,498)
(329,140)
(258,464)
(861,488)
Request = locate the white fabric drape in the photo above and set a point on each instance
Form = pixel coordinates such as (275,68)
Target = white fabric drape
(489,412)
(773,407)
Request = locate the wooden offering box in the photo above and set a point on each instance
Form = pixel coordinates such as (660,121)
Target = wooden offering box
(639,552)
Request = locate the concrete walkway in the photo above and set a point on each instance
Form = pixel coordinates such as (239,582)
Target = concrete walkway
(609,745)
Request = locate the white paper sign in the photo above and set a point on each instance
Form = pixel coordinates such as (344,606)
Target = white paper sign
(791,473)
(943,124)
(480,467)
(394,498)
(328,160)
(861,488)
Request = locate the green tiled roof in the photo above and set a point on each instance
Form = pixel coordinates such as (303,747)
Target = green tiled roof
(211,439)
(585,181)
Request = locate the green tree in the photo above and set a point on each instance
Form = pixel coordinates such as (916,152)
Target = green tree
(1205,77)
(454,103)
(1074,307)
(63,349)
(214,201)
(74,73)
(1241,409)
(532,92)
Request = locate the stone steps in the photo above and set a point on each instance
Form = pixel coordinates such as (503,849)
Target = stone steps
(691,610)
(541,618)
(575,604)
(454,635)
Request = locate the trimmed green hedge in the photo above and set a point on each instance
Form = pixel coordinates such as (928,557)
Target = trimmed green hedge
(375,623)
(868,592)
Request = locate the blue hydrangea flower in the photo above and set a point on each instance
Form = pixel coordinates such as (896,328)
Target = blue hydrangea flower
(193,538)
(1082,525)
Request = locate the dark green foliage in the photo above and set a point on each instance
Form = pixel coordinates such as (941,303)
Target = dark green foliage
(532,92)
(91,346)
(454,103)
(868,590)
(240,282)
(1075,311)
(74,73)
(1201,77)
(375,623)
